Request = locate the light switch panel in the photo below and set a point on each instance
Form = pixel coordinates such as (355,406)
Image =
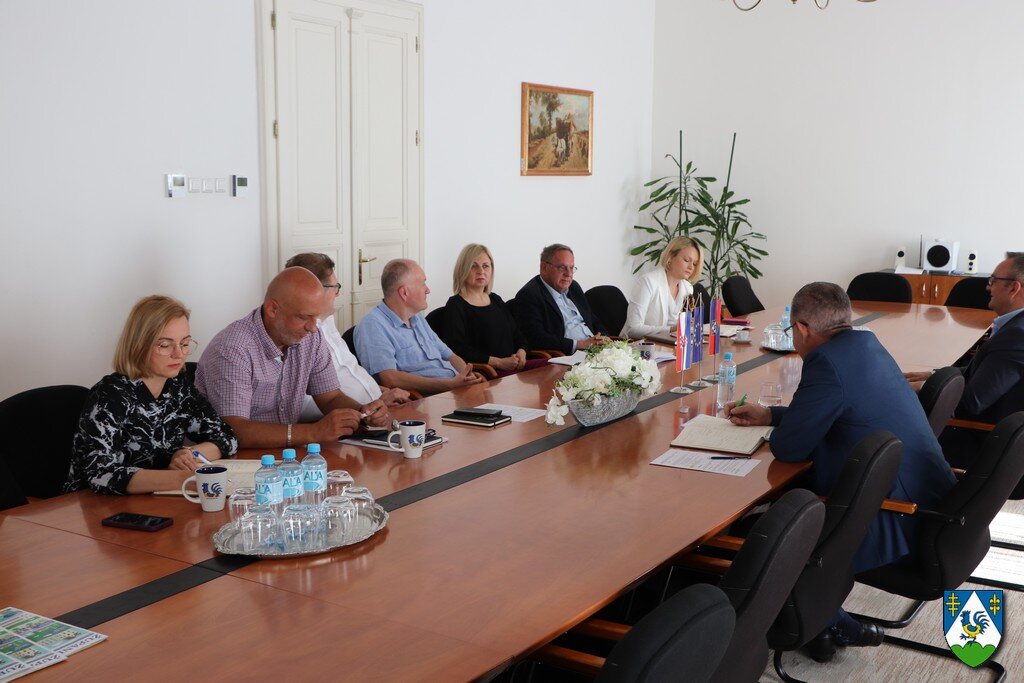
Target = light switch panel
(175,185)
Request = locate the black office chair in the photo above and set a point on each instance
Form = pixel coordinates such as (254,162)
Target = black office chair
(683,639)
(954,538)
(970,292)
(436,321)
(739,296)
(705,299)
(10,495)
(190,370)
(38,427)
(762,575)
(826,580)
(609,305)
(349,337)
(880,287)
(939,396)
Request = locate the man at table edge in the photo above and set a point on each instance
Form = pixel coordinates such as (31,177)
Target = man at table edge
(257,371)
(849,388)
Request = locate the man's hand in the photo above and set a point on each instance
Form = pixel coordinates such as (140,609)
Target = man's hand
(520,359)
(590,341)
(507,363)
(376,413)
(339,422)
(184,460)
(465,378)
(917,376)
(748,414)
(394,396)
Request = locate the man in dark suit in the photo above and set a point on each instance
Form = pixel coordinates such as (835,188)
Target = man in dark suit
(849,388)
(994,378)
(551,309)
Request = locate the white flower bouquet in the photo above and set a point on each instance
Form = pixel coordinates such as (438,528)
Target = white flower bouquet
(613,371)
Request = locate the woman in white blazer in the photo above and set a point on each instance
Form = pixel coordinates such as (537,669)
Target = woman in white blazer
(657,296)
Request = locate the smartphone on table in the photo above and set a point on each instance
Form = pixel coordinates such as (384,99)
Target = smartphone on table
(132,520)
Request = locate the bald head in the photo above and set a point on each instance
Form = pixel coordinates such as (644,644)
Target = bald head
(292,305)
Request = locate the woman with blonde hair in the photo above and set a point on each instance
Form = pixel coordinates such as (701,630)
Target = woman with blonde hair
(657,296)
(478,326)
(132,429)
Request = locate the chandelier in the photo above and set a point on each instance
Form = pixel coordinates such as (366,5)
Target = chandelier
(822,4)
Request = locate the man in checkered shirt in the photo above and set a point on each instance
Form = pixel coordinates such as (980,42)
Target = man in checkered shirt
(257,371)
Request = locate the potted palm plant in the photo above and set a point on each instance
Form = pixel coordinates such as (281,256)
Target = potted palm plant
(683,204)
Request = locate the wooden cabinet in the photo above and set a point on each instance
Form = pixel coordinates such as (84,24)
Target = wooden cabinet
(932,288)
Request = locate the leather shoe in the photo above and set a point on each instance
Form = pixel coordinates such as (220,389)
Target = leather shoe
(871,635)
(822,647)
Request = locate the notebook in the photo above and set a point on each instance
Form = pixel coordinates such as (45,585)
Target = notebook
(485,421)
(240,474)
(379,440)
(718,434)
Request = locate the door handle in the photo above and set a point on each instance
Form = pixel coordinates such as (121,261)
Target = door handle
(935,292)
(361,262)
(924,292)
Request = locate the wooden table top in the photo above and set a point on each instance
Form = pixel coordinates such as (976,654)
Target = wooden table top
(483,572)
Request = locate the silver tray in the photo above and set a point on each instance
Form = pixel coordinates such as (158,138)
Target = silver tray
(228,540)
(779,349)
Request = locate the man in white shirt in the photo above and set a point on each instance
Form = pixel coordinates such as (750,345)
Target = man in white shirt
(355,381)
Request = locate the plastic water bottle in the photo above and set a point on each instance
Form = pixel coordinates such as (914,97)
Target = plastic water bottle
(788,341)
(291,475)
(269,485)
(314,475)
(726,380)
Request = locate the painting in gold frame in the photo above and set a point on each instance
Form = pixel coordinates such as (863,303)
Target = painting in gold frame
(557,125)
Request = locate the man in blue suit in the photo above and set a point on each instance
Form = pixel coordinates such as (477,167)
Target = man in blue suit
(995,377)
(851,387)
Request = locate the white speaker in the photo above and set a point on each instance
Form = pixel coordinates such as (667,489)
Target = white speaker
(939,254)
(901,258)
(972,261)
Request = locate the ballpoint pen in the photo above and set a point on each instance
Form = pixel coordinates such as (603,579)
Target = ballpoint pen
(199,456)
(727,457)
(743,399)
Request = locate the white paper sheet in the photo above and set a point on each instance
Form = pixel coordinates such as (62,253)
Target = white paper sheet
(702,461)
(575,358)
(517,413)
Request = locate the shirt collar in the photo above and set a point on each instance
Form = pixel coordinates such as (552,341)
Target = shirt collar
(1001,320)
(554,292)
(392,317)
(262,336)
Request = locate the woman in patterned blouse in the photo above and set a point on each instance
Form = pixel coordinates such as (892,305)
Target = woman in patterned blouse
(131,434)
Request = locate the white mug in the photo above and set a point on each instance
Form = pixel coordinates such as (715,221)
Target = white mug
(743,335)
(211,485)
(411,434)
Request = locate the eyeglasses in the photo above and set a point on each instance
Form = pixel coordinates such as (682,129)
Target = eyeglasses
(568,270)
(336,287)
(993,278)
(166,347)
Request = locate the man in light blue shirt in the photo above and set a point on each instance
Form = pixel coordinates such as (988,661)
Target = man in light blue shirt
(396,345)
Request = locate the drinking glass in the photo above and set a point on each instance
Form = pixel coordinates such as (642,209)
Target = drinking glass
(338,481)
(339,514)
(300,527)
(259,529)
(771,394)
(362,501)
(239,502)
(773,336)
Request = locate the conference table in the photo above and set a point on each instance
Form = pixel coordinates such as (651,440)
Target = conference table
(497,542)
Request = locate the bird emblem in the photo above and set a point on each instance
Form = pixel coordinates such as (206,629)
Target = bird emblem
(973,630)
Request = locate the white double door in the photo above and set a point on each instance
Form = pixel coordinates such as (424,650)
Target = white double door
(346,148)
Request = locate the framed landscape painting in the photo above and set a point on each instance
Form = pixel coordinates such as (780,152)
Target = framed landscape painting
(556,131)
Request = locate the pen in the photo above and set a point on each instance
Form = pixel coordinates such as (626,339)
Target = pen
(199,456)
(370,412)
(743,399)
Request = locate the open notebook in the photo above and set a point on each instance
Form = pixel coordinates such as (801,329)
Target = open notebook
(240,474)
(718,434)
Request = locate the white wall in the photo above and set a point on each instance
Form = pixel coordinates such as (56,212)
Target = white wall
(860,127)
(477,55)
(100,99)
(97,101)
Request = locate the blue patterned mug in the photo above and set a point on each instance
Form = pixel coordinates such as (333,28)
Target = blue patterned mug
(211,485)
(411,435)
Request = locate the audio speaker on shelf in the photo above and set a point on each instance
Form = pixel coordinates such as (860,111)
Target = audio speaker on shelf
(972,261)
(939,254)
(901,258)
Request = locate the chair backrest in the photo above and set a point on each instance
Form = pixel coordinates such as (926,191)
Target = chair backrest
(880,287)
(940,395)
(947,552)
(683,639)
(436,321)
(970,292)
(10,495)
(739,296)
(38,427)
(705,299)
(609,305)
(190,370)
(865,480)
(762,576)
(349,337)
